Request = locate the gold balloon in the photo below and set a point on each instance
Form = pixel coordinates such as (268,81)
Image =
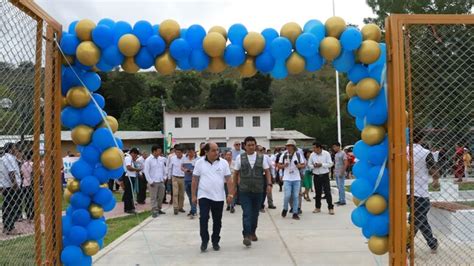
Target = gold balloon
(295,64)
(356,201)
(67,195)
(84,29)
(78,97)
(378,245)
(254,43)
(165,64)
(129,45)
(335,26)
(96,211)
(88,53)
(216,65)
(113,123)
(112,158)
(81,135)
(214,44)
(90,248)
(63,102)
(105,185)
(330,48)
(248,69)
(371,32)
(67,60)
(368,52)
(73,185)
(129,65)
(219,29)
(350,89)
(169,30)
(367,88)
(376,204)
(291,30)
(373,135)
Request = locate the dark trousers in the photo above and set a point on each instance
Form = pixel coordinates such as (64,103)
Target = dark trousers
(321,182)
(216,208)
(422,206)
(127,198)
(142,185)
(251,203)
(10,207)
(112,185)
(28,201)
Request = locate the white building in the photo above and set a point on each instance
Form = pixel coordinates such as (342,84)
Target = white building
(190,128)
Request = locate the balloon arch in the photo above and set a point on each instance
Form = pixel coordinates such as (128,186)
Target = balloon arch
(88,48)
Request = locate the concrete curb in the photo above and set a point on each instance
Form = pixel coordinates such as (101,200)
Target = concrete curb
(119,240)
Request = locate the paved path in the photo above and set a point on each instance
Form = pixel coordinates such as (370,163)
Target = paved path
(317,239)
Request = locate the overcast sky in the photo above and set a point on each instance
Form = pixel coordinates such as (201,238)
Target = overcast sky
(254,14)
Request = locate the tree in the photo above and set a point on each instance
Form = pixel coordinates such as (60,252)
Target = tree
(186,90)
(222,95)
(255,92)
(145,115)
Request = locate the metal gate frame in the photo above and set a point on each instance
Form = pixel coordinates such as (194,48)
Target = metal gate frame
(397,123)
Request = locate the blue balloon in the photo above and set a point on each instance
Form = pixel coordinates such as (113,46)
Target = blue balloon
(156,29)
(280,71)
(107,22)
(360,124)
(143,30)
(361,151)
(77,235)
(84,261)
(81,169)
(103,138)
(70,210)
(318,29)
(119,143)
(96,230)
(144,59)
(103,66)
(116,173)
(195,35)
(379,224)
(376,73)
(374,173)
(112,56)
(383,189)
(351,39)
(281,48)
(307,45)
(357,72)
(102,197)
(182,33)
(72,27)
(199,60)
(103,36)
(102,174)
(101,243)
(184,64)
(121,28)
(236,34)
(344,62)
(80,200)
(360,216)
(377,113)
(71,254)
(367,231)
(180,49)
(234,55)
(71,75)
(314,63)
(89,185)
(99,99)
(81,217)
(66,223)
(361,169)
(358,107)
(109,205)
(69,43)
(156,45)
(382,58)
(91,154)
(91,115)
(66,242)
(78,65)
(265,62)
(92,81)
(310,24)
(70,117)
(269,34)
(361,188)
(378,153)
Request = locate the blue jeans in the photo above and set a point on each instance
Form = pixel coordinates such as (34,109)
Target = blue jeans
(340,186)
(292,189)
(250,203)
(187,187)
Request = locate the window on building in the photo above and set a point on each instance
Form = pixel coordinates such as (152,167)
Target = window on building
(239,121)
(178,122)
(256,121)
(216,122)
(187,146)
(194,122)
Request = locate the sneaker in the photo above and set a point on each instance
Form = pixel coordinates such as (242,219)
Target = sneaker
(272,207)
(176,211)
(283,213)
(189,214)
(295,216)
(254,238)
(161,212)
(216,247)
(247,242)
(203,247)
(331,211)
(228,208)
(232,210)
(182,210)
(317,210)
(337,202)
(154,215)
(341,204)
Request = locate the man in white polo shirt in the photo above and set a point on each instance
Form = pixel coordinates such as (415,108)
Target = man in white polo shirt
(320,162)
(209,175)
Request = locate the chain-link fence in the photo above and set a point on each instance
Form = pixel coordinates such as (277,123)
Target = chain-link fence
(439,85)
(30,178)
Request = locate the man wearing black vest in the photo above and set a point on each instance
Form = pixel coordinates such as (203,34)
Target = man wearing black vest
(251,170)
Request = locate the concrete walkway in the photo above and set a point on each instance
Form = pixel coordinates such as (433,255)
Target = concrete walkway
(316,239)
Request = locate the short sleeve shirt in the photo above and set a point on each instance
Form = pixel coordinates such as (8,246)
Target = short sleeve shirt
(290,173)
(129,162)
(211,178)
(339,161)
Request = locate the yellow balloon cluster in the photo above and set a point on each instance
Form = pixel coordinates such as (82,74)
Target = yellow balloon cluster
(330,48)
(90,248)
(371,32)
(112,158)
(376,204)
(367,88)
(165,64)
(254,43)
(84,29)
(169,30)
(78,97)
(373,135)
(335,26)
(291,30)
(129,65)
(129,45)
(248,69)
(81,135)
(295,64)
(88,53)
(214,44)
(368,52)
(378,245)
(113,123)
